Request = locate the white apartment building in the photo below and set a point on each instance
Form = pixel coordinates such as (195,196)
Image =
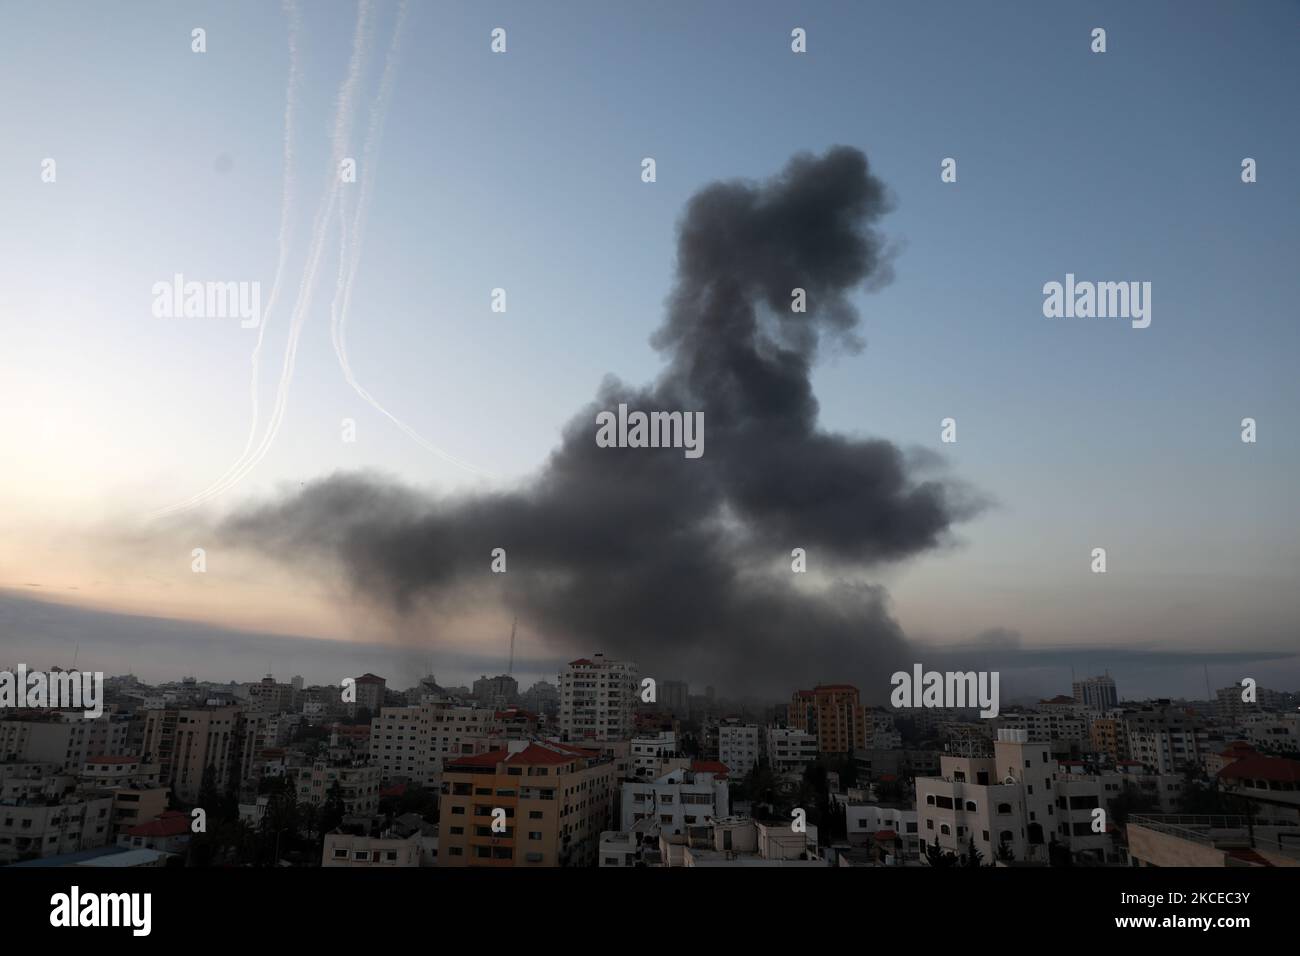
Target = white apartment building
(649,749)
(739,747)
(1279,733)
(677,800)
(344,849)
(866,821)
(1097,693)
(1167,750)
(29,831)
(597,699)
(789,751)
(1007,798)
(414,742)
(1057,727)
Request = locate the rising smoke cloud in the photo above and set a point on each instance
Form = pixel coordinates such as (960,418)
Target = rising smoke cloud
(684,565)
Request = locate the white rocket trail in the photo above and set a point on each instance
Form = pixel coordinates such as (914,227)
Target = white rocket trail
(286,205)
(350,249)
(342,128)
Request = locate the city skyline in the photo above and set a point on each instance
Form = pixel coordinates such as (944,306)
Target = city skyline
(1072,434)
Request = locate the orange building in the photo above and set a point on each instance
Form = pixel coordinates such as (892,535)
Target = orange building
(833,714)
(556,800)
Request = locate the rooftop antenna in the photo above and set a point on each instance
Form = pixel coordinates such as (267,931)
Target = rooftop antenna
(510,670)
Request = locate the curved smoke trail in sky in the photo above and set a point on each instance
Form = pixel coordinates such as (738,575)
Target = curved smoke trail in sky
(343,121)
(350,255)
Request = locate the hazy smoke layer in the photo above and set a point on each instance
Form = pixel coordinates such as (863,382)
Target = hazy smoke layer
(684,564)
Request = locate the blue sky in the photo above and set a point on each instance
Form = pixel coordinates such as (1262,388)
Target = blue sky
(522,171)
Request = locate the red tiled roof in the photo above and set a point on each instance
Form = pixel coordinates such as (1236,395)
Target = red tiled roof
(710,766)
(1277,769)
(888,777)
(169,823)
(395,791)
(580,660)
(549,753)
(368,678)
(883,836)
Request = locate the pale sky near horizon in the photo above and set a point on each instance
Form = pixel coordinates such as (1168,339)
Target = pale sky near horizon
(522,171)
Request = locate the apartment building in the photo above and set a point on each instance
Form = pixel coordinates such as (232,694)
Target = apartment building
(76,823)
(674,697)
(414,743)
(268,697)
(345,849)
(370,695)
(358,785)
(1007,798)
(554,798)
(65,738)
(895,829)
(1061,729)
(1106,735)
(1096,693)
(678,800)
(597,699)
(1229,706)
(789,751)
(1165,741)
(833,714)
(184,742)
(105,771)
(649,750)
(739,746)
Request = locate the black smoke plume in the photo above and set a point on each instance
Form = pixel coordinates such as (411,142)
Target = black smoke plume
(684,565)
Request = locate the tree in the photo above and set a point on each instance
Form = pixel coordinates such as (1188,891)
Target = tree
(973,856)
(1005,853)
(333,809)
(938,857)
(209,795)
(1130,799)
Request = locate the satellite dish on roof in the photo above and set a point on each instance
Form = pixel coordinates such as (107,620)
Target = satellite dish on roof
(1009,780)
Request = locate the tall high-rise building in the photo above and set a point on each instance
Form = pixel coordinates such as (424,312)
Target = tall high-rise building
(1096,693)
(597,699)
(498,692)
(184,742)
(674,697)
(370,695)
(833,714)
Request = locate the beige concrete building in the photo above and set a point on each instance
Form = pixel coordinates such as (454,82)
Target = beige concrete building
(344,849)
(31,831)
(184,742)
(359,785)
(63,737)
(413,743)
(598,699)
(554,800)
(1007,798)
